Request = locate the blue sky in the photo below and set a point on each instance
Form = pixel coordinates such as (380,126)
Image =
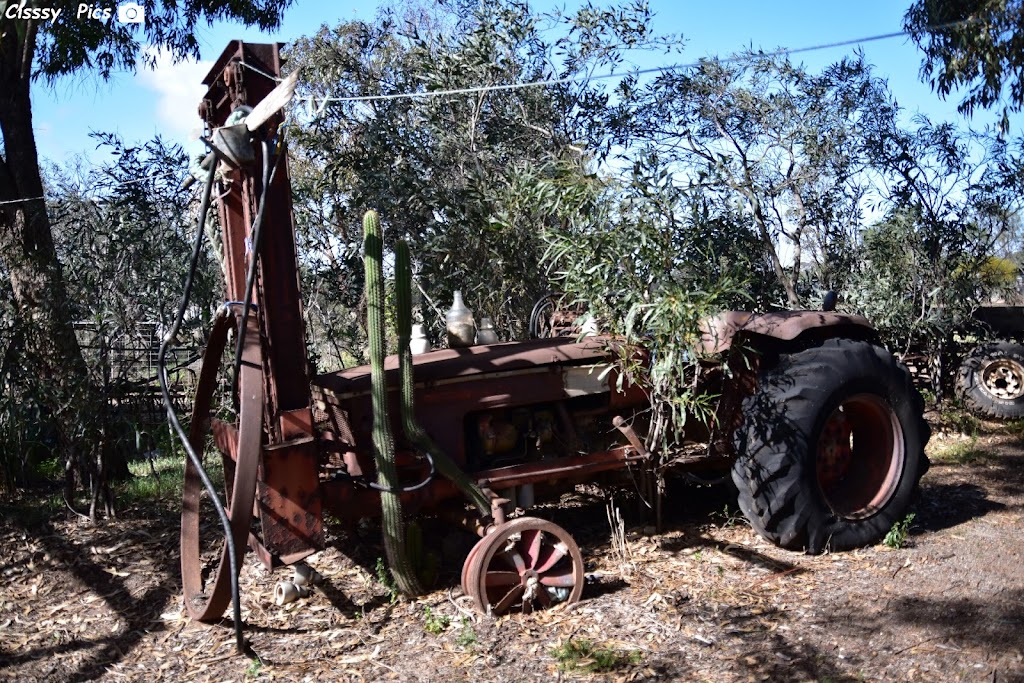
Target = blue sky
(164,101)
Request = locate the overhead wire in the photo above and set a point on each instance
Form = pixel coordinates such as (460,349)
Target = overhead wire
(133,181)
(583,78)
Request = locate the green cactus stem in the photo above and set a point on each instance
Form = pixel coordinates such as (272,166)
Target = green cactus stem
(383,443)
(413,431)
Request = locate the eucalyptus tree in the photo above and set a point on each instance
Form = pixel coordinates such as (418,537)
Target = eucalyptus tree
(782,145)
(439,166)
(34,49)
(122,233)
(976,46)
(652,260)
(951,202)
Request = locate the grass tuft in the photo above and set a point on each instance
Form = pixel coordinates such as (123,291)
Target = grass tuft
(583,654)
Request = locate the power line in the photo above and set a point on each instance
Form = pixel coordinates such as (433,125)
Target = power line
(312,100)
(19,201)
(133,181)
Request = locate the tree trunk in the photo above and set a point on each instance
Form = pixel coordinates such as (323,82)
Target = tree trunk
(27,251)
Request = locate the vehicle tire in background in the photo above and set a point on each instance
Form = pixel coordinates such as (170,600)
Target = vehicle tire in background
(990,381)
(831,448)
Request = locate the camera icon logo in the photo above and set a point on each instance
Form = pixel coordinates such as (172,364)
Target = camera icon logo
(131,13)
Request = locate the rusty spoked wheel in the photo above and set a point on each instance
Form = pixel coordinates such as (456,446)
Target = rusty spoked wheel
(525,564)
(860,456)
(207,582)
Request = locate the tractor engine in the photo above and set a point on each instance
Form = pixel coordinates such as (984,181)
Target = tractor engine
(502,412)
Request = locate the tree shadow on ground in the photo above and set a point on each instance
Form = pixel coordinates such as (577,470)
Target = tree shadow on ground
(97,572)
(943,506)
(994,623)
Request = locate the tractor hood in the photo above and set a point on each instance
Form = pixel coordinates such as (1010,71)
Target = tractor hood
(448,364)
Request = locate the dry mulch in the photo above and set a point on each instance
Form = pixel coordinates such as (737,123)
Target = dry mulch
(705,600)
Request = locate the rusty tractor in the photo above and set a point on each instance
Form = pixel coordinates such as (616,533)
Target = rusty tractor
(819,425)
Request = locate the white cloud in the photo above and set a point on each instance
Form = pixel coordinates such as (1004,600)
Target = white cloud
(179,88)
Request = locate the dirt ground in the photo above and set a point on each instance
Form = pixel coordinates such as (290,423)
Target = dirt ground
(705,600)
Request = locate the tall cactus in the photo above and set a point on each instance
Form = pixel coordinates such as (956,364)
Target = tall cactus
(413,432)
(383,442)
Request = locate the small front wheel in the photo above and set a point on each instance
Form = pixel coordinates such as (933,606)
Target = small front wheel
(523,565)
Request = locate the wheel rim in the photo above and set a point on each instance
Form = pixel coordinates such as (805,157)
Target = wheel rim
(1003,379)
(860,455)
(524,565)
(207,585)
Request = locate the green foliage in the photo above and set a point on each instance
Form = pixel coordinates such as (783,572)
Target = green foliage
(442,170)
(123,248)
(634,263)
(729,518)
(435,624)
(467,636)
(253,670)
(896,538)
(580,653)
(782,145)
(972,46)
(962,451)
(953,199)
(69,44)
(385,579)
(957,419)
(158,482)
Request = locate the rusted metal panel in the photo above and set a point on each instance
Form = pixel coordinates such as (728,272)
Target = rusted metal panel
(453,365)
(574,468)
(289,504)
(346,500)
(718,332)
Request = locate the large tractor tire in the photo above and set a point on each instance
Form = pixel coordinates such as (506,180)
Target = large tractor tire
(990,381)
(831,447)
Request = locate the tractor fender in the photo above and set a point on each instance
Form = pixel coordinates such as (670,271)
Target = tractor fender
(718,333)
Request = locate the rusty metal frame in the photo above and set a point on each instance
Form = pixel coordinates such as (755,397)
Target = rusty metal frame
(288,497)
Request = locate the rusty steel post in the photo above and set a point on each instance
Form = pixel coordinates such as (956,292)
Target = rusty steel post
(288,496)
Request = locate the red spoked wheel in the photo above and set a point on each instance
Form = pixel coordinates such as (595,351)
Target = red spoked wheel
(525,564)
(206,577)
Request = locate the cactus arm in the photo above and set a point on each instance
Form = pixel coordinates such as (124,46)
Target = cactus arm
(383,442)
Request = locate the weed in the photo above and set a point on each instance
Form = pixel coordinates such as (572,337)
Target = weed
(1015,427)
(253,670)
(958,452)
(434,624)
(385,579)
(584,654)
(958,420)
(729,517)
(467,636)
(897,536)
(51,469)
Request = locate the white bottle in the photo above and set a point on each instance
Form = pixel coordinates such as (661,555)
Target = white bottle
(418,342)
